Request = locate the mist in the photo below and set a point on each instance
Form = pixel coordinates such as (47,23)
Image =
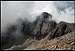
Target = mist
(13,10)
(18,18)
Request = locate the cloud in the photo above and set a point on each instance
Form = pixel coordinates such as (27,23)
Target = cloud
(61,11)
(12,10)
(66,11)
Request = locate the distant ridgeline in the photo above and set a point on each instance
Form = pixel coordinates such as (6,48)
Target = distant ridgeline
(40,28)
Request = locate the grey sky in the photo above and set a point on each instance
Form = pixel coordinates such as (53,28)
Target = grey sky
(12,10)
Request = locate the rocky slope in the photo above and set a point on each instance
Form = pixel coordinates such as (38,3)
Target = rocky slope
(43,33)
(65,42)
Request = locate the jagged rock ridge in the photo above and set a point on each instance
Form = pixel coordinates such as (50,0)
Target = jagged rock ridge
(41,28)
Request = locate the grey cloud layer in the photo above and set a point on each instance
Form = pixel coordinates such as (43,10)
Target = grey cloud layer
(11,11)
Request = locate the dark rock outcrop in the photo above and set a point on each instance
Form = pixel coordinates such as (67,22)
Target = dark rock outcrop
(61,29)
(44,26)
(39,29)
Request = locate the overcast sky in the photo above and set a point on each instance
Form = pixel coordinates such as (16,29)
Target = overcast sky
(12,10)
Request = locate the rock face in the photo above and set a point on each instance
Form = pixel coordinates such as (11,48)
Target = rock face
(43,25)
(65,42)
(42,28)
(61,29)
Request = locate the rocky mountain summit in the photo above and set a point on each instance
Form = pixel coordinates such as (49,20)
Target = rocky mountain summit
(45,26)
(43,33)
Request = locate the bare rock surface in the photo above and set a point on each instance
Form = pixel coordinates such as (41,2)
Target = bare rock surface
(65,42)
(43,33)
